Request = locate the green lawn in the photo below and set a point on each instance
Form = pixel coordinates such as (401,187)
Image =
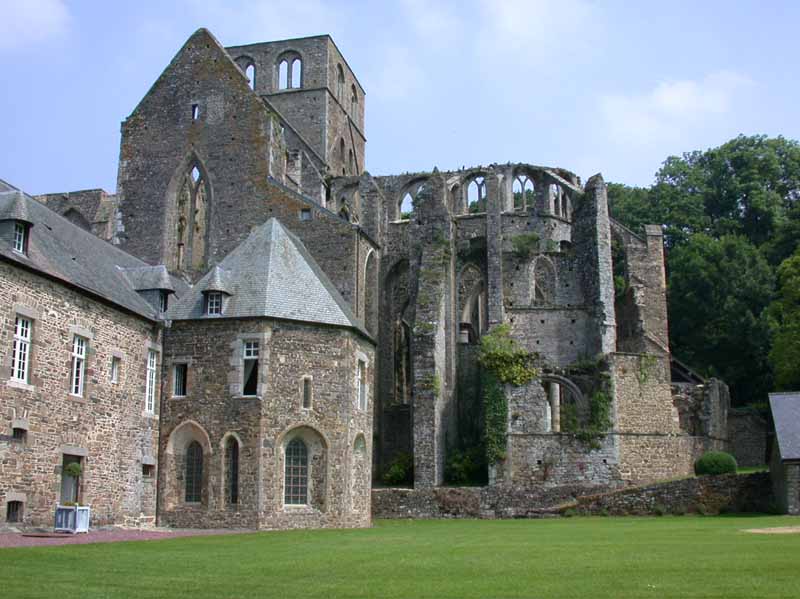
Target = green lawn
(574,557)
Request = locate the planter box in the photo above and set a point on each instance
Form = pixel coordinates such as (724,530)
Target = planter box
(72,518)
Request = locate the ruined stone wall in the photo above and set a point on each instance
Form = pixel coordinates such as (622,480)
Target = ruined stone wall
(785,478)
(747,437)
(107,427)
(93,210)
(338,434)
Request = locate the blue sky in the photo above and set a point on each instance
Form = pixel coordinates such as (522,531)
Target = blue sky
(612,87)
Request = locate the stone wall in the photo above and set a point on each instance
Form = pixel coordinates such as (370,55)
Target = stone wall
(337,433)
(747,437)
(107,427)
(785,483)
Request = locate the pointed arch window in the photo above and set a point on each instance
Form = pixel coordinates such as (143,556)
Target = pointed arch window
(476,195)
(353,102)
(290,71)
(340,84)
(523,192)
(194,473)
(190,226)
(296,473)
(232,471)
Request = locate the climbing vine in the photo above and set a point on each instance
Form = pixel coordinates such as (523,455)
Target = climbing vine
(500,355)
(496,410)
(525,244)
(596,427)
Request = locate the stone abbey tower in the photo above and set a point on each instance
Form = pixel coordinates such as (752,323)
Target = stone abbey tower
(427,264)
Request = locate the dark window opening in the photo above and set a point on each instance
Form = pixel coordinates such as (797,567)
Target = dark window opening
(19,434)
(305,214)
(148,470)
(71,468)
(163,301)
(232,472)
(14,511)
(180,376)
(251,353)
(194,472)
(306,393)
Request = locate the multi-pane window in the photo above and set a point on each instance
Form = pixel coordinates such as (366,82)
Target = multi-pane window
(115,365)
(20,238)
(306,393)
(78,365)
(296,473)
(21,352)
(250,370)
(214,303)
(150,383)
(361,377)
(179,375)
(194,473)
(232,471)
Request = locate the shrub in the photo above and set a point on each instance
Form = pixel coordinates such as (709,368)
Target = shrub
(569,512)
(715,462)
(73,469)
(659,510)
(466,467)
(505,359)
(400,471)
(525,244)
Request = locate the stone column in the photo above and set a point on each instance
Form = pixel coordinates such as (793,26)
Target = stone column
(554,397)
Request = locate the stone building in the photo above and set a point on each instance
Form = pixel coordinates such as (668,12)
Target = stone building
(784,464)
(241,174)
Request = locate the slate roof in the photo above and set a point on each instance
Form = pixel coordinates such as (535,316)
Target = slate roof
(143,278)
(786,414)
(64,251)
(270,274)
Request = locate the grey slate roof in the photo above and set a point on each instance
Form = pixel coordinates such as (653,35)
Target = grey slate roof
(786,414)
(143,278)
(13,205)
(217,280)
(64,251)
(271,274)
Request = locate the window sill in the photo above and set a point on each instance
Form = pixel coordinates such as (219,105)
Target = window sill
(150,415)
(76,398)
(247,397)
(16,384)
(179,396)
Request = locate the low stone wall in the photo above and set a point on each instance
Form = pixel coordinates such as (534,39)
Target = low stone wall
(704,494)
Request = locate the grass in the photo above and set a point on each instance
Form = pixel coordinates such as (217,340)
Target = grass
(686,556)
(752,469)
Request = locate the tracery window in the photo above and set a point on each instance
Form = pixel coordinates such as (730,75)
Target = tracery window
(290,71)
(191,221)
(476,195)
(523,192)
(296,473)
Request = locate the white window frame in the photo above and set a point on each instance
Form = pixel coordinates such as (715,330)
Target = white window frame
(20,235)
(21,352)
(175,379)
(116,363)
(361,385)
(214,303)
(150,382)
(77,381)
(251,350)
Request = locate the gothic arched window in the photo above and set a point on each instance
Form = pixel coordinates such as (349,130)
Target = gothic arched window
(194,473)
(190,228)
(340,84)
(296,473)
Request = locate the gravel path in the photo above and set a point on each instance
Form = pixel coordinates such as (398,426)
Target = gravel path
(113,535)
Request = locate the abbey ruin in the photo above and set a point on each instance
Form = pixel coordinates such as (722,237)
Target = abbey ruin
(270,328)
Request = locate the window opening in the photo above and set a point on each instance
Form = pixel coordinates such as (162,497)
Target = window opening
(353,102)
(194,473)
(20,238)
(148,470)
(150,387)
(296,473)
(362,385)
(250,73)
(523,193)
(297,74)
(78,365)
(476,195)
(163,301)
(195,112)
(232,471)
(306,393)
(70,478)
(21,350)
(283,75)
(179,377)
(115,364)
(214,303)
(14,511)
(351,163)
(340,84)
(305,214)
(251,354)
(19,434)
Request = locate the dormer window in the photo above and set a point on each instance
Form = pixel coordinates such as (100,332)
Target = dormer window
(20,238)
(163,301)
(214,303)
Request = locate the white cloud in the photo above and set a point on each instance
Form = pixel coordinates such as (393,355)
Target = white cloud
(672,109)
(26,23)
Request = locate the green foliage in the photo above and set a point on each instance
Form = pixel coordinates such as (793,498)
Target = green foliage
(466,467)
(718,292)
(525,244)
(406,215)
(495,407)
(597,425)
(400,471)
(73,469)
(715,462)
(500,355)
(784,319)
(431,382)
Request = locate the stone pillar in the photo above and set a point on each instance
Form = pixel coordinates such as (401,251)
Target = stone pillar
(494,250)
(554,397)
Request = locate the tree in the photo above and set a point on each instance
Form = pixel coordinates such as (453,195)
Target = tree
(718,290)
(784,316)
